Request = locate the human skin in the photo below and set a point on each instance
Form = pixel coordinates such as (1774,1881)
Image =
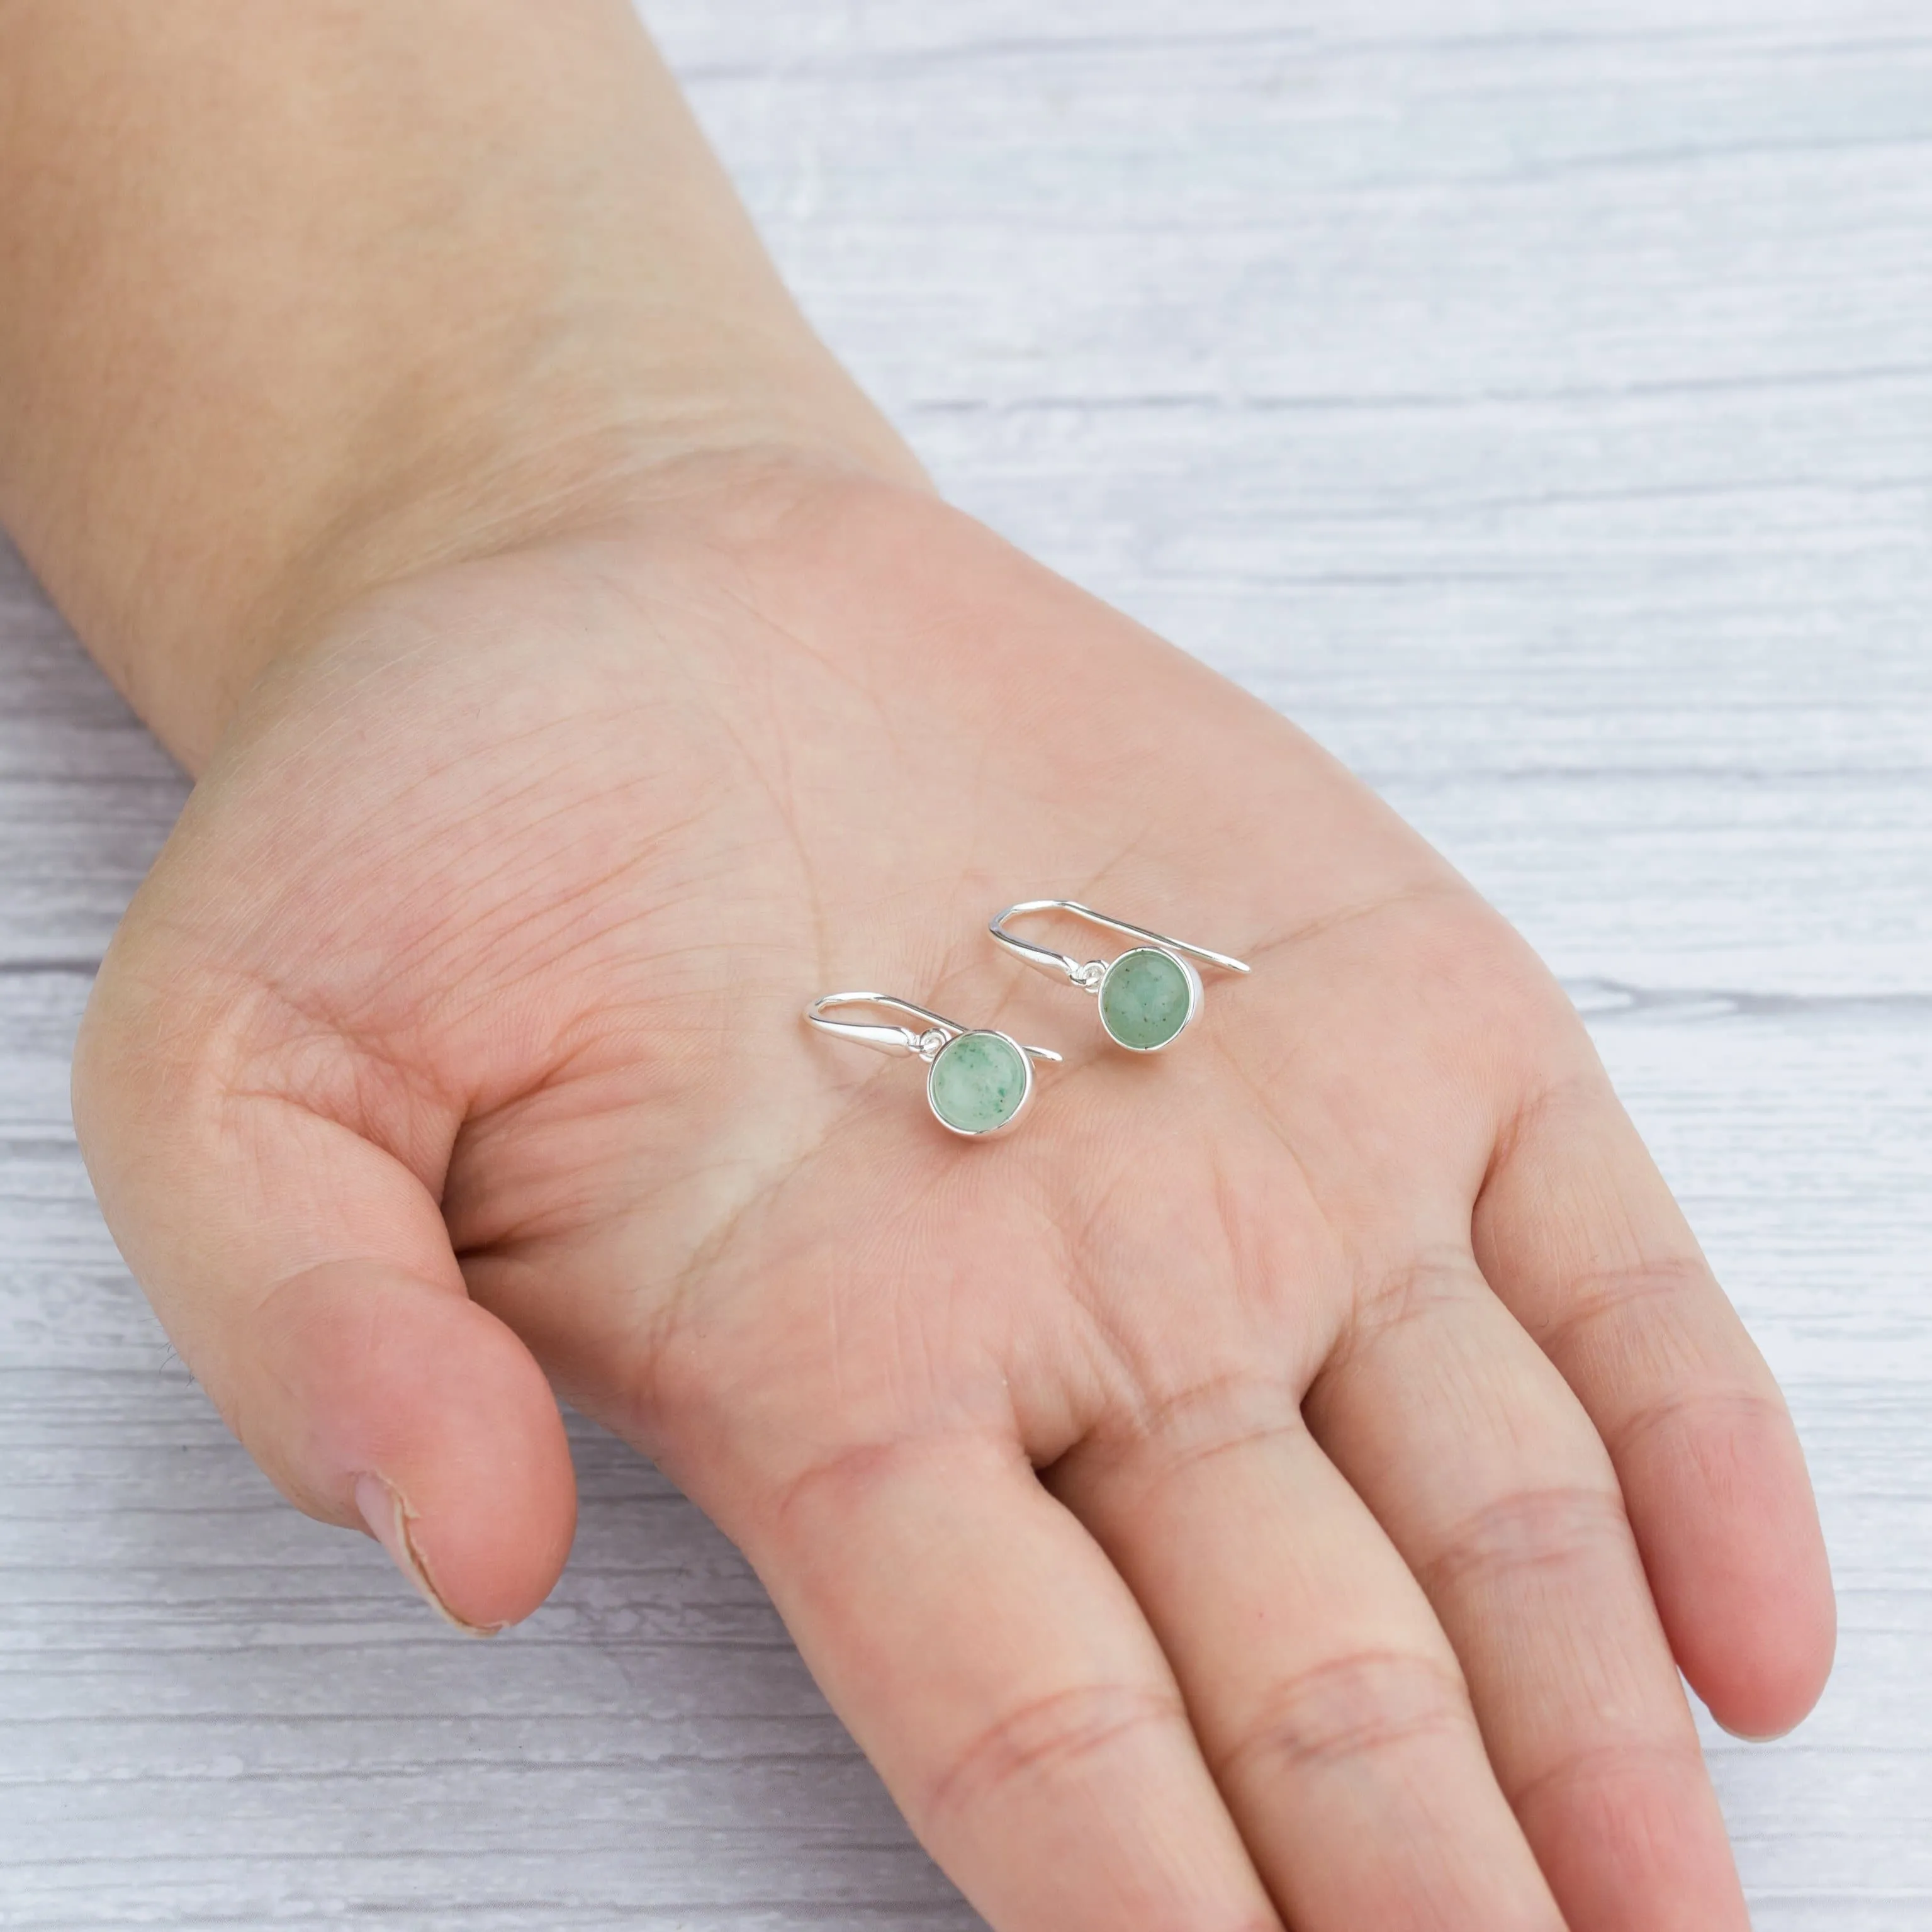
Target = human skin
(1277,1485)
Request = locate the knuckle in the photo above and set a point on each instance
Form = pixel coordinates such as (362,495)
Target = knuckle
(1550,1528)
(1362,1704)
(1617,1305)
(1047,1740)
(1172,1432)
(1420,1289)
(1722,1433)
(833,1488)
(842,1478)
(1631,1797)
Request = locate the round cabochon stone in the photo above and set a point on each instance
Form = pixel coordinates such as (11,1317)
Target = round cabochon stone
(1144,998)
(977,1082)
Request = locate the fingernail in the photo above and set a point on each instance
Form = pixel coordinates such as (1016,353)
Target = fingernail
(389,1518)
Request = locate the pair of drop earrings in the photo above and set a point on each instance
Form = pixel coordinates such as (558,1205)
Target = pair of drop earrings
(979,1081)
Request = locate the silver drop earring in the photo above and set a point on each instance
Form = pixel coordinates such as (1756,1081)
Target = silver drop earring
(1147,996)
(978,1081)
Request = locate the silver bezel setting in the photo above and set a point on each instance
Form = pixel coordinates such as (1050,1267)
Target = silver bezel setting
(927,1041)
(1194,997)
(1026,1090)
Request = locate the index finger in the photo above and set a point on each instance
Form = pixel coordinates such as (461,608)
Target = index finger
(995,1669)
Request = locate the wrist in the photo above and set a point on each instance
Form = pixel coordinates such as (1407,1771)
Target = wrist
(521,469)
(187,603)
(353,292)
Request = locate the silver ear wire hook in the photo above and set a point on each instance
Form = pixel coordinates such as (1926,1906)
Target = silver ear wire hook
(1148,995)
(938,1031)
(979,1080)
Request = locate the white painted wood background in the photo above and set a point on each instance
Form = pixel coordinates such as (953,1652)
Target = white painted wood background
(1532,396)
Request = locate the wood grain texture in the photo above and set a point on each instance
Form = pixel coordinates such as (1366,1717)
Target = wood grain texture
(1533,397)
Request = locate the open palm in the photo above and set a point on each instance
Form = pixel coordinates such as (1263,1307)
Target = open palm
(1274,1481)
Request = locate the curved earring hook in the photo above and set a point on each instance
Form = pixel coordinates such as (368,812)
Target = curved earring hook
(924,1044)
(1084,974)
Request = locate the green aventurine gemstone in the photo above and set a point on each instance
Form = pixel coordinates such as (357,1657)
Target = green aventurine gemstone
(1144,998)
(977,1082)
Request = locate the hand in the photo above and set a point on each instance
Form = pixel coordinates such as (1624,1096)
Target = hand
(1283,1468)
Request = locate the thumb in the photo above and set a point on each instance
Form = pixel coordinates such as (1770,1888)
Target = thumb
(306,1276)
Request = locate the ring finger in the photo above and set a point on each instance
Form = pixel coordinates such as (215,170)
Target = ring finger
(1458,1432)
(1328,1703)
